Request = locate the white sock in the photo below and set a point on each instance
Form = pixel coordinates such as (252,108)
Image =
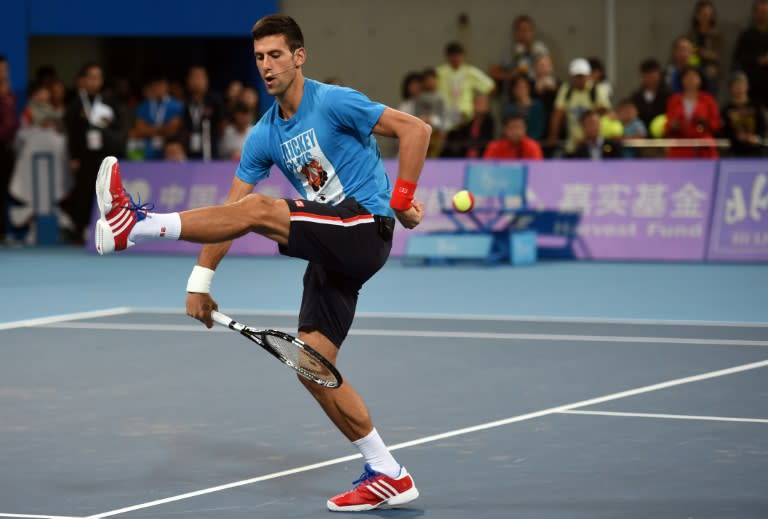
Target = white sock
(377,455)
(157,226)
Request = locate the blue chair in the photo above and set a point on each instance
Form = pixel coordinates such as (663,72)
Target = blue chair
(485,233)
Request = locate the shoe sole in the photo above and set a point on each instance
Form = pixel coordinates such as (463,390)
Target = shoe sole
(105,241)
(400,499)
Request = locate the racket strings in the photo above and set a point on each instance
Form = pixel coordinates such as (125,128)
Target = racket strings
(300,359)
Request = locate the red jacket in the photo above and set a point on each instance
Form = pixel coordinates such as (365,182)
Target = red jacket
(504,149)
(703,124)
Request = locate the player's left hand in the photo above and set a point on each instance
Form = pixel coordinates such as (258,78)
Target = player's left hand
(410,218)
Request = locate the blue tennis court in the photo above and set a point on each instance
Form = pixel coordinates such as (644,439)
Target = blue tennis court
(617,402)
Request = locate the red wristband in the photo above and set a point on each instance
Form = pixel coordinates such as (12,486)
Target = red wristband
(402,195)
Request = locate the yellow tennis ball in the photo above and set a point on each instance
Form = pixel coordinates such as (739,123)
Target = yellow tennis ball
(658,124)
(611,128)
(463,201)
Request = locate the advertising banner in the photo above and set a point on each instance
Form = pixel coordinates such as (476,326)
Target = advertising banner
(630,210)
(740,220)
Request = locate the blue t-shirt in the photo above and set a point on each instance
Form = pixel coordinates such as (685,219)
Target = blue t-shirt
(326,150)
(156,113)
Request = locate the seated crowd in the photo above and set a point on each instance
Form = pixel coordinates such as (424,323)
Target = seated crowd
(578,117)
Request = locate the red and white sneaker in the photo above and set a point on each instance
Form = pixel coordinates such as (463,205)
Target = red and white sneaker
(374,489)
(118,211)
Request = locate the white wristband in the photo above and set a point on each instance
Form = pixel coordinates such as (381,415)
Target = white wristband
(200,280)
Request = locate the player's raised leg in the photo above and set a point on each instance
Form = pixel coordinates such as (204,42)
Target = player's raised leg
(123,222)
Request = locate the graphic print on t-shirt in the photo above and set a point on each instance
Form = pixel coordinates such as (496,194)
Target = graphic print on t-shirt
(309,164)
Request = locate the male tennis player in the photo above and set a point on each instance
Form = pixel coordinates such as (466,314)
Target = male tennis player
(320,136)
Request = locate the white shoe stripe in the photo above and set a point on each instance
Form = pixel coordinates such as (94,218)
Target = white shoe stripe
(383,490)
(119,226)
(373,490)
(118,216)
(126,225)
(388,486)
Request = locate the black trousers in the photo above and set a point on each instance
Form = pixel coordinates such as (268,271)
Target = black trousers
(79,202)
(7,161)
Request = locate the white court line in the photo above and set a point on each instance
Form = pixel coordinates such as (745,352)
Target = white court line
(27,516)
(41,321)
(484,317)
(435,334)
(669,416)
(449,434)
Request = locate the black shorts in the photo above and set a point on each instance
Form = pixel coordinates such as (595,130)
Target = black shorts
(345,245)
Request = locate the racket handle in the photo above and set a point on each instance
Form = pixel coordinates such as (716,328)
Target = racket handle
(221,318)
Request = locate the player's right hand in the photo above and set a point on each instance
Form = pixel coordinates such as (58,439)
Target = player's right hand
(200,306)
(410,218)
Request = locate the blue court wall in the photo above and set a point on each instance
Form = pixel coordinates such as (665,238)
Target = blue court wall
(24,18)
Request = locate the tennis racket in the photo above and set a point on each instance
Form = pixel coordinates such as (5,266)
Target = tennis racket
(289,350)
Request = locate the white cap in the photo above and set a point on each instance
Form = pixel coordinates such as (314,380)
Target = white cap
(579,67)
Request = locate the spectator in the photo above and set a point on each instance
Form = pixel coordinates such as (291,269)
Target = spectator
(157,118)
(632,126)
(743,119)
(232,96)
(531,109)
(573,100)
(93,131)
(683,57)
(39,111)
(173,150)
(58,100)
(177,91)
(514,144)
(594,146)
(250,98)
(598,77)
(203,114)
(409,92)
(235,132)
(430,108)
(9,124)
(470,139)
(692,114)
(545,87)
(751,53)
(520,59)
(459,82)
(707,41)
(651,98)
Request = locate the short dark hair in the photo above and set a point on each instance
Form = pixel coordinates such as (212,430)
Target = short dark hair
(512,116)
(35,87)
(86,67)
(279,24)
(650,65)
(523,18)
(3,59)
(454,47)
(627,101)
(428,72)
(409,78)
(690,69)
(697,7)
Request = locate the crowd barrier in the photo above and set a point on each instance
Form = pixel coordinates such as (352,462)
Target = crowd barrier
(661,210)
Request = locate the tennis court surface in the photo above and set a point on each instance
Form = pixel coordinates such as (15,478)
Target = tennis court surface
(136,413)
